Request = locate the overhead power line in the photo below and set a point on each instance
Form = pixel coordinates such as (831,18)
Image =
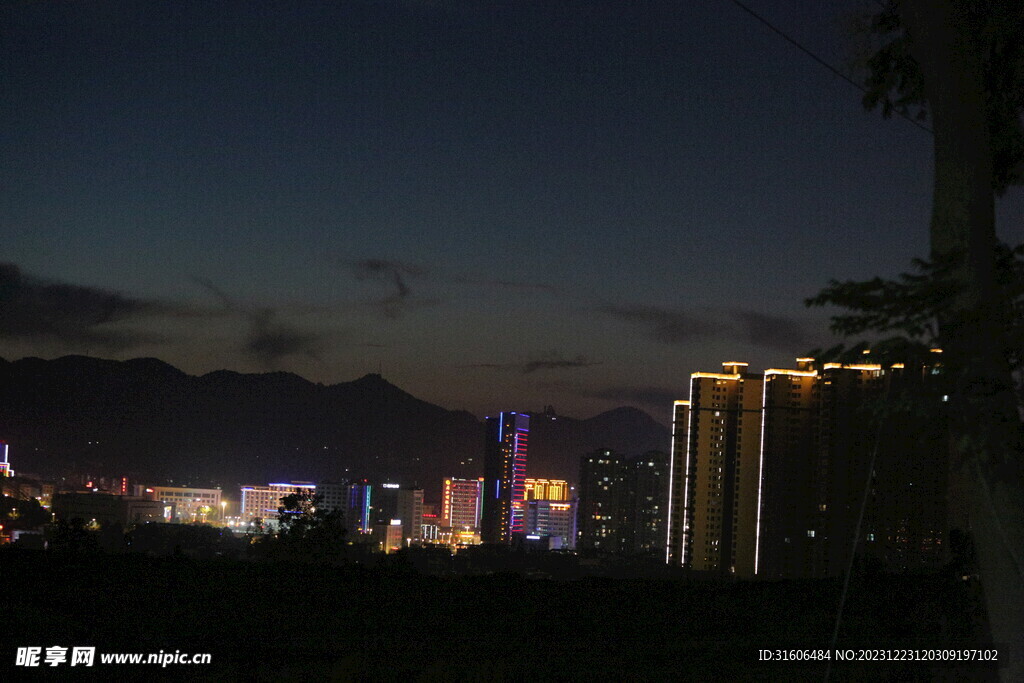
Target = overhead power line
(819,60)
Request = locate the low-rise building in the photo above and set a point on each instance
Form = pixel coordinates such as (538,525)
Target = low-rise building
(189,504)
(106,509)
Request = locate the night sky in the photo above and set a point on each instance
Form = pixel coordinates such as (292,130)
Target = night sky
(498,205)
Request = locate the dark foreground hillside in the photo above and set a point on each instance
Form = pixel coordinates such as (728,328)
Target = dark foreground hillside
(271,621)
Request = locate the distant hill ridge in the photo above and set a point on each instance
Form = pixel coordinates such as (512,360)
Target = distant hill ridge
(149,420)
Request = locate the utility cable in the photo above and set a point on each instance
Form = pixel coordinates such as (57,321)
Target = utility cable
(821,61)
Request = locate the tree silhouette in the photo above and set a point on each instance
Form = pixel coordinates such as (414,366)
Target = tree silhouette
(307,531)
(960,65)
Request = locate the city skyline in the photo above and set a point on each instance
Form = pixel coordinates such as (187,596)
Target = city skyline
(579,203)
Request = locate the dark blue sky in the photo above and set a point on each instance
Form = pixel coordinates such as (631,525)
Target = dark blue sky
(502,205)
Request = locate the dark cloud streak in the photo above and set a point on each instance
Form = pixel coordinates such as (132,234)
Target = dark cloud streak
(683,327)
(396,273)
(39,309)
(267,339)
(671,327)
(552,362)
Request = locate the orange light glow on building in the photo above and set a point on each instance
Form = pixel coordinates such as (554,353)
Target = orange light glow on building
(547,489)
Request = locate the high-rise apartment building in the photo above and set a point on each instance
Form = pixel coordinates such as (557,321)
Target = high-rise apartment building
(720,471)
(906,513)
(461,503)
(678,484)
(646,513)
(602,494)
(505,453)
(768,472)
(789,460)
(623,502)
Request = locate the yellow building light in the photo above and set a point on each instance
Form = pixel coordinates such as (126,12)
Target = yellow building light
(712,375)
(794,373)
(840,366)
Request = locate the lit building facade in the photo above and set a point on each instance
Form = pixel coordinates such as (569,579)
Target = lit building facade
(678,484)
(5,465)
(461,503)
(768,472)
(388,537)
(553,519)
(262,502)
(410,512)
(189,504)
(505,454)
(547,489)
(718,483)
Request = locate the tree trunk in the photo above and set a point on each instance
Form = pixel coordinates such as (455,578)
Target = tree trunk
(985,424)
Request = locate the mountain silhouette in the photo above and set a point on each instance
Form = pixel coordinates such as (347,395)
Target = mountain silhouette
(149,421)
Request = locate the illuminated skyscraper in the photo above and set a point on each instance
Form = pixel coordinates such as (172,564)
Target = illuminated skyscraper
(678,483)
(5,467)
(769,472)
(461,503)
(504,476)
(718,483)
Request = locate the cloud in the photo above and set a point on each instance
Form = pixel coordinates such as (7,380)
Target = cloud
(776,331)
(671,327)
(552,361)
(268,339)
(39,309)
(682,327)
(505,284)
(558,364)
(396,274)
